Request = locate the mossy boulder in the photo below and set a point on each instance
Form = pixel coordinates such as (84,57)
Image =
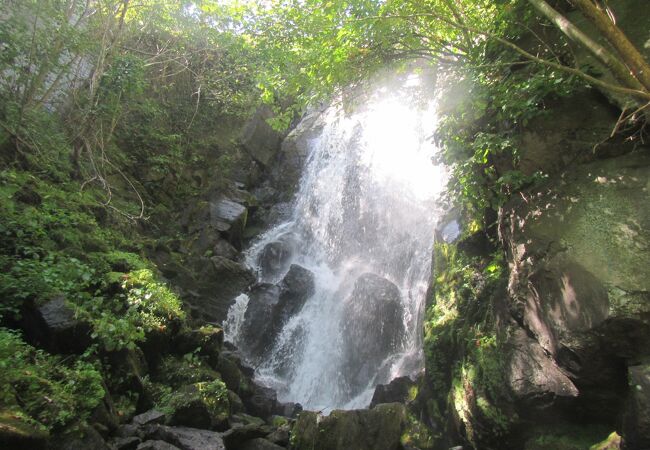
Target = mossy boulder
(572,437)
(202,405)
(379,428)
(18,432)
(205,341)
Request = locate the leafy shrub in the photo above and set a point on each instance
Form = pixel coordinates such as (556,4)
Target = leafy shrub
(47,389)
(144,305)
(41,279)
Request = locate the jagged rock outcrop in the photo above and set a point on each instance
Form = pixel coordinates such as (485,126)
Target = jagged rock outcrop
(636,418)
(229,218)
(576,249)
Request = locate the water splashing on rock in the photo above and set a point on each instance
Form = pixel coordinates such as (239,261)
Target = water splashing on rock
(342,287)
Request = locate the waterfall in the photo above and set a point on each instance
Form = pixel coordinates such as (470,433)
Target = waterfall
(362,223)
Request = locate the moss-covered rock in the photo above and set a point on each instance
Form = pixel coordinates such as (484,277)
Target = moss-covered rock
(572,437)
(16,431)
(201,405)
(177,371)
(379,428)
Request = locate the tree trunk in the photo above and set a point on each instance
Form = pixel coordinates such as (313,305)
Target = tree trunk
(628,52)
(618,69)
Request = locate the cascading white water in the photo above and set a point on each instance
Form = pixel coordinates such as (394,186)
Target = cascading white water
(367,203)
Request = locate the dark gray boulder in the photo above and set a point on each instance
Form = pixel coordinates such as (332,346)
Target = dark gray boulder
(126,443)
(235,437)
(185,438)
(395,391)
(271,306)
(224,249)
(274,258)
(214,285)
(260,401)
(229,218)
(156,445)
(280,436)
(258,330)
(260,444)
(54,327)
(150,417)
(295,288)
(636,419)
(370,338)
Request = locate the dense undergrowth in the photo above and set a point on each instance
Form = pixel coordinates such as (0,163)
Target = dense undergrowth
(91,173)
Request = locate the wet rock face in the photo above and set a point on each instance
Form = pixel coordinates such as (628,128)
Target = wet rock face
(185,438)
(272,305)
(258,331)
(275,258)
(287,166)
(578,257)
(395,391)
(259,139)
(369,338)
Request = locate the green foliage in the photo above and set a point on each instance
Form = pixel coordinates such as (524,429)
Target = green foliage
(463,354)
(213,394)
(152,302)
(479,137)
(571,437)
(46,389)
(189,369)
(417,433)
(143,306)
(43,279)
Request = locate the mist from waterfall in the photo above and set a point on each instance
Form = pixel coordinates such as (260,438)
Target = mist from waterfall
(367,204)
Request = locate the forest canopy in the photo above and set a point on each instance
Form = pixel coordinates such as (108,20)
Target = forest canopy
(106,67)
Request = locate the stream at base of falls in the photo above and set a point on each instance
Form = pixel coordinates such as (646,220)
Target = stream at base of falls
(358,243)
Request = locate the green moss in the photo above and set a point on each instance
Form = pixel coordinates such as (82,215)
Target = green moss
(417,434)
(462,351)
(45,390)
(212,395)
(16,426)
(570,437)
(176,372)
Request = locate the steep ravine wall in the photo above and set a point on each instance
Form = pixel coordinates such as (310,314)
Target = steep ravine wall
(538,335)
